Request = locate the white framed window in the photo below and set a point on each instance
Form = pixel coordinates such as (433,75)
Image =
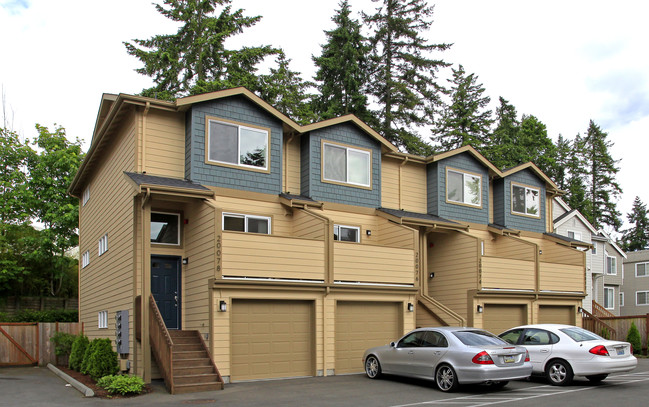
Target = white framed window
(621,299)
(344,233)
(86,196)
(611,265)
(642,298)
(609,297)
(642,270)
(346,165)
(246,223)
(526,200)
(594,249)
(237,144)
(464,188)
(165,228)
(574,235)
(103,244)
(102,319)
(85,259)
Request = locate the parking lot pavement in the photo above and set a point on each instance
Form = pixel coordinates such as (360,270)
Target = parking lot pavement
(39,387)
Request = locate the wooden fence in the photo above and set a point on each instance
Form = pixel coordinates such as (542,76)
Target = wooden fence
(28,343)
(623,324)
(11,305)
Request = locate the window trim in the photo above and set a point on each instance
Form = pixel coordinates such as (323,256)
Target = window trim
(102,245)
(646,269)
(614,273)
(574,233)
(178,215)
(347,148)
(85,259)
(86,196)
(593,251)
(245,224)
(239,125)
(621,299)
(646,297)
(102,319)
(511,200)
(357,228)
(609,288)
(463,173)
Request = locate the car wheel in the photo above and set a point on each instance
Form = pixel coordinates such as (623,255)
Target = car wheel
(372,367)
(559,373)
(446,378)
(499,385)
(597,378)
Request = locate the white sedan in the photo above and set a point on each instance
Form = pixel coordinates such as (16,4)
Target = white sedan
(560,352)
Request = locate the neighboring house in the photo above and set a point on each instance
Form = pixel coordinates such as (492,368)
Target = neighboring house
(634,295)
(294,248)
(607,289)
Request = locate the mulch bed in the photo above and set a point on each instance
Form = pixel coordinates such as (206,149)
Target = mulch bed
(99,392)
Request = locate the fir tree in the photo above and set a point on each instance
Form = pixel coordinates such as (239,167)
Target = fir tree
(465,120)
(534,145)
(637,236)
(501,147)
(403,74)
(560,176)
(342,75)
(197,52)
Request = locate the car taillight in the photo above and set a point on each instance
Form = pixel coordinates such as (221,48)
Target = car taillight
(631,348)
(527,356)
(482,358)
(599,350)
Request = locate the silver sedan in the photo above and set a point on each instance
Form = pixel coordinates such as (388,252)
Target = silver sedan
(450,356)
(560,352)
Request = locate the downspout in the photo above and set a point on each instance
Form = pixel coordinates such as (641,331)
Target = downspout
(144,115)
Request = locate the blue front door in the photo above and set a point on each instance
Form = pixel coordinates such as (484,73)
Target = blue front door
(165,287)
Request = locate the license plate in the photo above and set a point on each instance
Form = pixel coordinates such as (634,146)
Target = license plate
(620,351)
(509,359)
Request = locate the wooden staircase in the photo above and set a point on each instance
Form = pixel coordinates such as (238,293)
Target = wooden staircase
(193,368)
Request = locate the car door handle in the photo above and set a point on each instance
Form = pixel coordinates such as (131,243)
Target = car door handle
(544,350)
(412,352)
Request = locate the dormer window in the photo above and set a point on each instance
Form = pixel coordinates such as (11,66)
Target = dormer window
(346,165)
(525,200)
(463,188)
(234,144)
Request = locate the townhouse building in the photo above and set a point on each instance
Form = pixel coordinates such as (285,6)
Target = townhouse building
(634,295)
(291,249)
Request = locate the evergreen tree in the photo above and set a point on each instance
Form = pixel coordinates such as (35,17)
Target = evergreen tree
(534,145)
(563,148)
(403,75)
(599,170)
(342,74)
(465,120)
(501,148)
(197,52)
(637,236)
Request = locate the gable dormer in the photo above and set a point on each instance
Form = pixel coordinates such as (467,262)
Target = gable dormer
(520,199)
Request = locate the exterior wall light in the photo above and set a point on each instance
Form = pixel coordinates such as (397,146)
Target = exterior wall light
(411,307)
(368,232)
(480,309)
(431,275)
(223,307)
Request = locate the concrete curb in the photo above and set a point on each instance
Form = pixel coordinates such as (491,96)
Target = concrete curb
(85,390)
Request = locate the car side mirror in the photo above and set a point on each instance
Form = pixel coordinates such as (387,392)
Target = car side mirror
(394,345)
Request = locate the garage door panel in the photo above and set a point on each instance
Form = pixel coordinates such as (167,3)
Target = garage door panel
(497,318)
(556,314)
(271,339)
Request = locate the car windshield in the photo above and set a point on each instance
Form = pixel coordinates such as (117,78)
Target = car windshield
(478,338)
(579,334)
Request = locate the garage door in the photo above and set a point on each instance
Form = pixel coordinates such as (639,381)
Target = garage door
(554,314)
(498,318)
(362,325)
(272,339)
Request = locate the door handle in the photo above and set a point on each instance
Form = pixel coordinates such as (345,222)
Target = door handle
(544,351)
(412,352)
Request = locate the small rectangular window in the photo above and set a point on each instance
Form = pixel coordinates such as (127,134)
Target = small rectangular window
(609,297)
(526,200)
(165,228)
(642,298)
(236,144)
(86,196)
(574,235)
(621,299)
(594,249)
(347,233)
(642,270)
(85,259)
(463,188)
(246,223)
(345,164)
(611,265)
(103,244)
(102,319)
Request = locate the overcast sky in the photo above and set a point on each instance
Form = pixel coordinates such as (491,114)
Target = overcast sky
(566,62)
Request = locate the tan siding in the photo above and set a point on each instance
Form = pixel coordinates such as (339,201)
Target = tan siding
(373,264)
(411,195)
(107,283)
(453,257)
(427,318)
(394,235)
(252,255)
(164,141)
(293,169)
(508,274)
(562,277)
(281,223)
(390,183)
(308,226)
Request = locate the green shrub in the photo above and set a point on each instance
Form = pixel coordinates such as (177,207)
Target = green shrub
(123,384)
(633,337)
(62,343)
(605,334)
(77,351)
(4,317)
(45,316)
(103,360)
(86,356)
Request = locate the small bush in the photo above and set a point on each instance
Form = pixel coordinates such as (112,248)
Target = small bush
(605,334)
(123,384)
(633,337)
(103,360)
(86,356)
(45,316)
(77,351)
(62,343)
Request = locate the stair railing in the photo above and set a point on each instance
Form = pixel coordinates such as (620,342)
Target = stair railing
(161,344)
(596,325)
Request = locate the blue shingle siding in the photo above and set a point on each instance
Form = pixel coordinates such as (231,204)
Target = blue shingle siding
(499,202)
(432,192)
(312,185)
(238,109)
(520,222)
(464,213)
